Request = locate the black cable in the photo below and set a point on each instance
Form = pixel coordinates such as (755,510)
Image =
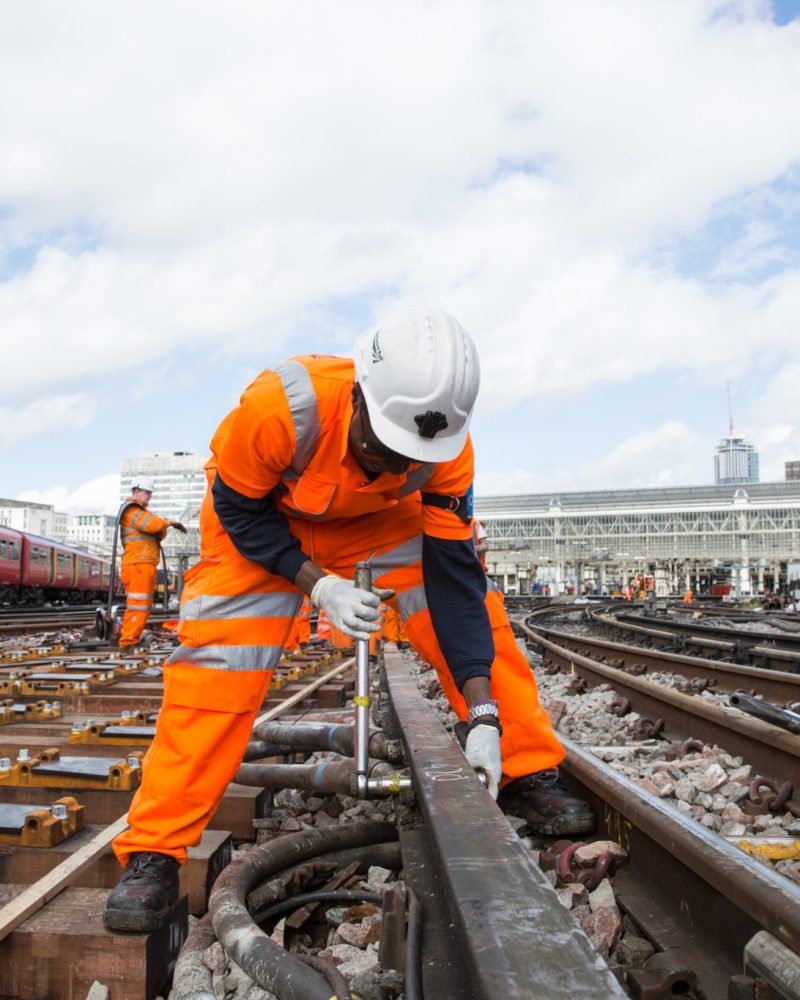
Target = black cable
(322,896)
(413,985)
(341,991)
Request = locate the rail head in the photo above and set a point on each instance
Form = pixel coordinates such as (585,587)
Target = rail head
(509,926)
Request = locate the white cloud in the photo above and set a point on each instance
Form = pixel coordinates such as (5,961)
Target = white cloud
(528,166)
(670,455)
(98,496)
(47,415)
(771,423)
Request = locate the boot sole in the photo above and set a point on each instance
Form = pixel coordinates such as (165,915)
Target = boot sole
(552,826)
(134,921)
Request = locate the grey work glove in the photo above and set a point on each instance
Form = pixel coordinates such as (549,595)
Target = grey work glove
(482,751)
(350,609)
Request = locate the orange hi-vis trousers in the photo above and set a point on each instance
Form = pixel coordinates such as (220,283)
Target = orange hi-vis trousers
(235,618)
(139,580)
(300,632)
(393,628)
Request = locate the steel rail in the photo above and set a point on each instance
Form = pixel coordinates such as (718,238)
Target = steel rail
(773,751)
(78,619)
(774,685)
(790,641)
(492,925)
(780,651)
(687,887)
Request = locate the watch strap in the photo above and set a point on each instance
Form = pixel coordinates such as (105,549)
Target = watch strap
(484,708)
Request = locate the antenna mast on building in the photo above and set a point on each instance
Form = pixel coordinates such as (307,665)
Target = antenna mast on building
(730,409)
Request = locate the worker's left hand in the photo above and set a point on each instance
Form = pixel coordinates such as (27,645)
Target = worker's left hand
(482,750)
(180,527)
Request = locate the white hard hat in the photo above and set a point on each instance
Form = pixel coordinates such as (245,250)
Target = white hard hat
(143,483)
(419,374)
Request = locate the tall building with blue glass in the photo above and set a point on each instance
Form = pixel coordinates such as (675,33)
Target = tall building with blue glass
(735,461)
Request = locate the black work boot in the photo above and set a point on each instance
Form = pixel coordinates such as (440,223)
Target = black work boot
(543,800)
(147,889)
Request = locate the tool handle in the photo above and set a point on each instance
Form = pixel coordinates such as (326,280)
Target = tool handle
(363,576)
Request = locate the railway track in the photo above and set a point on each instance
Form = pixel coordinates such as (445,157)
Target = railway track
(469,914)
(19,622)
(775,650)
(776,686)
(773,751)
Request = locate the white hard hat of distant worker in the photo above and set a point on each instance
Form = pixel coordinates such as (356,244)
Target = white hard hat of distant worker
(143,483)
(419,374)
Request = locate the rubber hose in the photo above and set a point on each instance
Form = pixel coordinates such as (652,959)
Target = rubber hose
(327,777)
(337,982)
(383,855)
(258,749)
(269,965)
(192,979)
(339,739)
(323,896)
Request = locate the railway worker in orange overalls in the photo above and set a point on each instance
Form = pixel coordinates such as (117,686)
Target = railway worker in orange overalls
(394,630)
(141,532)
(325,461)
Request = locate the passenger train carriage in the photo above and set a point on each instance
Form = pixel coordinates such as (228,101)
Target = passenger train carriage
(36,569)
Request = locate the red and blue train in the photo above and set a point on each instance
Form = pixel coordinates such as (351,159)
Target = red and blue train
(34,569)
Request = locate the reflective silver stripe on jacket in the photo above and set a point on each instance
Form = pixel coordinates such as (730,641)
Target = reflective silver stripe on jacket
(229,657)
(404,555)
(412,601)
(304,409)
(270,605)
(140,597)
(131,536)
(141,520)
(417,478)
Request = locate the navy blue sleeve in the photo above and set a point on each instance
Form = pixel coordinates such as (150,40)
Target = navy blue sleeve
(258,529)
(455,588)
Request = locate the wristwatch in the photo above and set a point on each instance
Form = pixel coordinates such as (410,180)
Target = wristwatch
(484,708)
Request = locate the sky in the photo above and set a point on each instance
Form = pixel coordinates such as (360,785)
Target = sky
(606,193)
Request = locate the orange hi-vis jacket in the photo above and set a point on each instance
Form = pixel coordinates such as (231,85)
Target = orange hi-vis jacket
(141,533)
(282,456)
(290,434)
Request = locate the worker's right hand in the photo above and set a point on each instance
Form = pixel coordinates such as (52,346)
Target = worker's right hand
(180,527)
(350,609)
(482,750)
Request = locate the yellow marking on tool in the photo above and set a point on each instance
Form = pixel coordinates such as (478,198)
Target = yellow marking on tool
(361,700)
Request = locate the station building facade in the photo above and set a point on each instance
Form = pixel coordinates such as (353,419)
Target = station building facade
(713,539)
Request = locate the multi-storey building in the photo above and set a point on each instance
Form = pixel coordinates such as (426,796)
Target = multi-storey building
(178,476)
(36,518)
(735,462)
(791,471)
(698,536)
(92,531)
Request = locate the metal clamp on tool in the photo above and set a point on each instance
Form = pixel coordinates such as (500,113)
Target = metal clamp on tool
(366,786)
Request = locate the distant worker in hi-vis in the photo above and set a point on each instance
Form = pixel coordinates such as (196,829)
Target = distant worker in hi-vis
(326,462)
(141,533)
